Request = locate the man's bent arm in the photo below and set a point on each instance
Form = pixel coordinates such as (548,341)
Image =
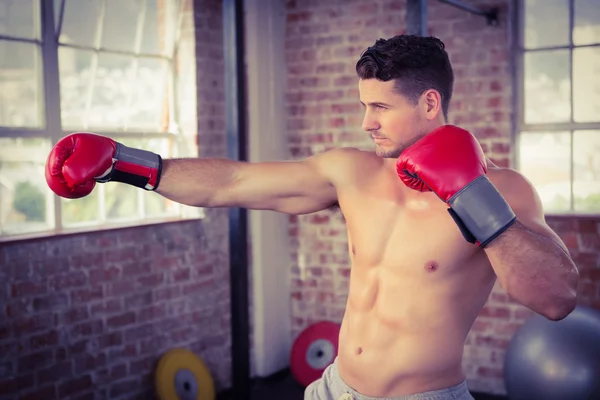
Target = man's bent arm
(530,260)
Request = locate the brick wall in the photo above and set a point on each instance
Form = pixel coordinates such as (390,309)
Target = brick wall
(324,41)
(88,316)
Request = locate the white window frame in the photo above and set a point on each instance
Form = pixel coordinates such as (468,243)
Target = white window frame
(519,124)
(51,115)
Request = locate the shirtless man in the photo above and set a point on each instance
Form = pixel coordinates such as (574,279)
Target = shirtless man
(431,223)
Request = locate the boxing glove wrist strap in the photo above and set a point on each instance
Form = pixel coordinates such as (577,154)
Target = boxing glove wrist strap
(480,211)
(136,167)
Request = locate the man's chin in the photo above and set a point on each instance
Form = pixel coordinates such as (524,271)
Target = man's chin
(386,152)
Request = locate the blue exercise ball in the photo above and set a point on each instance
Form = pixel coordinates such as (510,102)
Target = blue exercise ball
(555,360)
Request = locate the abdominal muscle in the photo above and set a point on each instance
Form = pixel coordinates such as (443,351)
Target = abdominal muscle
(405,334)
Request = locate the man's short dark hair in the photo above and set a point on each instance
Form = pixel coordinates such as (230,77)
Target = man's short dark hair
(417,64)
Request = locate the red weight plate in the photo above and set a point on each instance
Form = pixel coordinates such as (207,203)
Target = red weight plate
(313,351)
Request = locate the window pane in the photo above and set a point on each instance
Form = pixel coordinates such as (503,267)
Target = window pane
(26,203)
(21,94)
(84,211)
(153,24)
(587,22)
(148,108)
(75,68)
(586,84)
(546,23)
(547,86)
(586,163)
(80,22)
(159,27)
(112,89)
(545,159)
(20,18)
(120,24)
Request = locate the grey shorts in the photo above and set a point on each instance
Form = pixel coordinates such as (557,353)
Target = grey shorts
(331,387)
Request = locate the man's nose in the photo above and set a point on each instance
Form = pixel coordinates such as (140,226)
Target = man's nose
(370,123)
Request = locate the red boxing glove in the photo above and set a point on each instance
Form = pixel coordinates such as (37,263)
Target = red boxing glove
(80,160)
(450,162)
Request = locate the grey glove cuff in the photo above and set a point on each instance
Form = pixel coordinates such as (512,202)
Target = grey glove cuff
(480,211)
(140,168)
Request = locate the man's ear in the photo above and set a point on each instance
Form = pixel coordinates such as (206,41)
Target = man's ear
(432,104)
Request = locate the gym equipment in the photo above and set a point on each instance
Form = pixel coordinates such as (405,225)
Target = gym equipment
(181,375)
(313,351)
(555,360)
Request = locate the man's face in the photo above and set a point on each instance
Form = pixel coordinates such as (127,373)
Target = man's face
(393,122)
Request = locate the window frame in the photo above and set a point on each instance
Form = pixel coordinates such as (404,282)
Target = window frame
(519,125)
(51,124)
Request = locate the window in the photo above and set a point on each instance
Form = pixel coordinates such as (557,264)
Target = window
(105,66)
(558,125)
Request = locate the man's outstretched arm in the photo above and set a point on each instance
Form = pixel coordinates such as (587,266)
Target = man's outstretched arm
(531,261)
(77,162)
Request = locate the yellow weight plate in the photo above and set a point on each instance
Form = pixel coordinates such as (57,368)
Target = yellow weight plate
(181,375)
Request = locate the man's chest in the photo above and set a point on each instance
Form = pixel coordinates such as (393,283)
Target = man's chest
(388,225)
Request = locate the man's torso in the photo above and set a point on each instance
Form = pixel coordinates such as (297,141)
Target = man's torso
(416,285)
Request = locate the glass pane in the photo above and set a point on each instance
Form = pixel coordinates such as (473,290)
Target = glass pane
(587,22)
(154,23)
(112,90)
(586,174)
(586,84)
(545,159)
(81,212)
(80,22)
(148,109)
(75,68)
(21,93)
(546,23)
(122,202)
(26,202)
(547,86)
(120,24)
(20,18)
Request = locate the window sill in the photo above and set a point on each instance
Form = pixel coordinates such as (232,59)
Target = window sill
(51,234)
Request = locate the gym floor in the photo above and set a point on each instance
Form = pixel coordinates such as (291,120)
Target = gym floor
(283,386)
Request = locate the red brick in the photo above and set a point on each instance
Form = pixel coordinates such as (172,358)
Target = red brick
(14,384)
(33,361)
(28,288)
(121,320)
(86,294)
(54,373)
(74,386)
(104,274)
(152,312)
(489,372)
(89,362)
(69,280)
(43,340)
(151,280)
(123,387)
(491,311)
(87,328)
(53,301)
(32,323)
(585,225)
(109,306)
(42,393)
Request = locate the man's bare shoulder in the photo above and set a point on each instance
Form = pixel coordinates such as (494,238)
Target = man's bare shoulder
(345,161)
(516,189)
